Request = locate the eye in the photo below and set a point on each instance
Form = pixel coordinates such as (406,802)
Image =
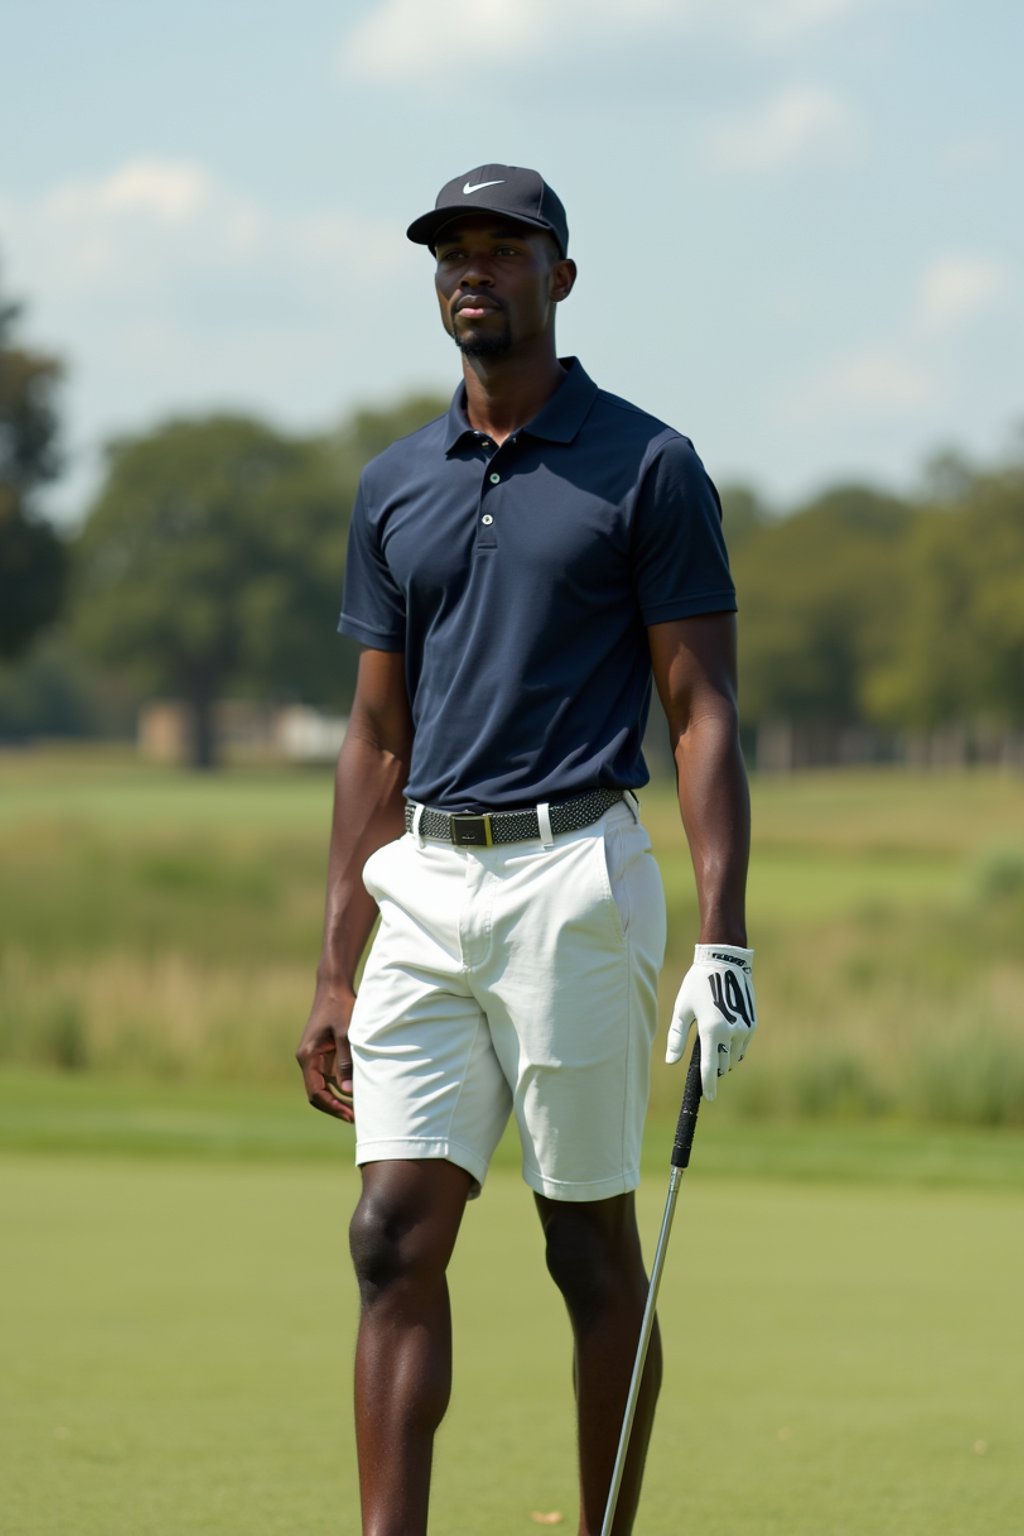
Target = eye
(445,258)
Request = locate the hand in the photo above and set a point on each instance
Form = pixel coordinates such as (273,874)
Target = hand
(718,993)
(324,1055)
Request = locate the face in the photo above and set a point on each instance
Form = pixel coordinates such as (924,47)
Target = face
(498,284)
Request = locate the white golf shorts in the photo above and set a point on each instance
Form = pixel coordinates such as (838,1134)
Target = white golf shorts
(518,979)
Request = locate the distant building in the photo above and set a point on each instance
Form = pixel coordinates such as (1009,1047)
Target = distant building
(293,733)
(305,735)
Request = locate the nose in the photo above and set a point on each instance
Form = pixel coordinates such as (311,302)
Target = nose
(476,273)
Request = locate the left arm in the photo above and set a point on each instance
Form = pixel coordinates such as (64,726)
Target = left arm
(694,666)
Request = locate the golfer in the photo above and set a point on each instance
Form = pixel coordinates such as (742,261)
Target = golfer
(518,572)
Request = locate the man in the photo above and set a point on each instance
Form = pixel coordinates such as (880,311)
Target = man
(517,572)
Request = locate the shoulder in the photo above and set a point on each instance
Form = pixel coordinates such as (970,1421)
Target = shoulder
(668,472)
(650,438)
(404,457)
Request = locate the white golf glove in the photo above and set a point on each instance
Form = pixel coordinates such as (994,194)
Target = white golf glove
(718,994)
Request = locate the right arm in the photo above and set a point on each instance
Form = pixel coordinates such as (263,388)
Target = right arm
(368,812)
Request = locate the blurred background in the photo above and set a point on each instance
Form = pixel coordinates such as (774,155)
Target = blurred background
(798,242)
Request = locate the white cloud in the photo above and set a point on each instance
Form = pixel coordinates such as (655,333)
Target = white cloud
(401,41)
(975,153)
(912,369)
(169,191)
(784,20)
(881,377)
(955,288)
(868,383)
(170,289)
(803,122)
(126,230)
(150,226)
(404,40)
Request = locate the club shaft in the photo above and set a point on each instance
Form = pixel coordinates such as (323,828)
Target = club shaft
(646,1329)
(685,1128)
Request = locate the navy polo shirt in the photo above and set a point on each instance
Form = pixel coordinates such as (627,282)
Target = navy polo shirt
(519,581)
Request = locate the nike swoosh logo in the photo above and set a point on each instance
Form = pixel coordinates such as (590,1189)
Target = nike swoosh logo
(475,186)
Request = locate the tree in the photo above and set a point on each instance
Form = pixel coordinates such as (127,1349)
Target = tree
(371,429)
(960,656)
(213,559)
(744,515)
(996,536)
(199,566)
(32,557)
(819,602)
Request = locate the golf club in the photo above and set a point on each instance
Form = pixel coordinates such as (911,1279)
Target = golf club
(685,1127)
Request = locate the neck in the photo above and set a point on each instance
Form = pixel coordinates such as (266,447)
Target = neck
(505,393)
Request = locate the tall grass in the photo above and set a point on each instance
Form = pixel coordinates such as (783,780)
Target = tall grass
(163,926)
(171,1016)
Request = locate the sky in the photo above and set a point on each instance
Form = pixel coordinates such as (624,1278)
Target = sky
(798,223)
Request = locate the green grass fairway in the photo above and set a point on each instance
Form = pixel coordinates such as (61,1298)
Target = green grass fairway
(88,1113)
(177,1343)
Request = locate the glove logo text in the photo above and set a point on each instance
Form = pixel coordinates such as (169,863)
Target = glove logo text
(732,1001)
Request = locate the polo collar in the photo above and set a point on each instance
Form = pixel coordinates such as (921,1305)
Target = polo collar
(558,421)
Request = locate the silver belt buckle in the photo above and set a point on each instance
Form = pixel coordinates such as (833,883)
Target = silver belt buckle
(470,831)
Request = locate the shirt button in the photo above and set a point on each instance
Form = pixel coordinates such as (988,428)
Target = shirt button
(494,479)
(487,519)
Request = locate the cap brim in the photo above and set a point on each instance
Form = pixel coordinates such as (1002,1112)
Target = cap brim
(425,229)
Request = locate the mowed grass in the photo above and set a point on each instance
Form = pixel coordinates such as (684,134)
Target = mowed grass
(177,1341)
(165,924)
(94,1114)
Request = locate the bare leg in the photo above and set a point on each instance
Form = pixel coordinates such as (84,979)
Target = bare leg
(593,1253)
(402,1236)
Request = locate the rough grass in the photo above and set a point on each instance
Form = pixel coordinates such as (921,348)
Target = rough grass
(166,924)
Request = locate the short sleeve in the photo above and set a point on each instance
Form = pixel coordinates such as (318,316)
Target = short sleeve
(372,604)
(680,564)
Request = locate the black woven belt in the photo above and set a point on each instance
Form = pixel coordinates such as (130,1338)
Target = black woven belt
(468,830)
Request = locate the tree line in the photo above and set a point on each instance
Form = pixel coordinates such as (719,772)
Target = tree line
(210,562)
(876,626)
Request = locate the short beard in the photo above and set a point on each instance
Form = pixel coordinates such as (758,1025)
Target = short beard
(484,346)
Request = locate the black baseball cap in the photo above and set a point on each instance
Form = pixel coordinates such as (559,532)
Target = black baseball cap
(521,195)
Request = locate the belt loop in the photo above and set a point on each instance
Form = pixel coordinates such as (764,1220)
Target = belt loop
(417,818)
(547,837)
(633,801)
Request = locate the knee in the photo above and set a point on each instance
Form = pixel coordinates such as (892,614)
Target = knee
(393,1241)
(387,1247)
(591,1266)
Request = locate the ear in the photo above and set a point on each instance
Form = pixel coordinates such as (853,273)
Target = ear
(562,278)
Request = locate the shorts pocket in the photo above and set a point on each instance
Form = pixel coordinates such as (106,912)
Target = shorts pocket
(373,869)
(635,892)
(618,893)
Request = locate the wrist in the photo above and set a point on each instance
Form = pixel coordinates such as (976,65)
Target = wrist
(733,954)
(723,933)
(722,923)
(332,982)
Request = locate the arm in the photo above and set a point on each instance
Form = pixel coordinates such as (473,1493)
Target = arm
(694,665)
(368,812)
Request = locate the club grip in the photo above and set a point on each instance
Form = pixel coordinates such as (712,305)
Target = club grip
(687,1122)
